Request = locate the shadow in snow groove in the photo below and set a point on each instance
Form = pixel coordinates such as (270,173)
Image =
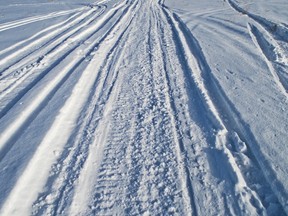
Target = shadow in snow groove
(278,31)
(83,136)
(20,128)
(17,58)
(181,145)
(43,74)
(14,24)
(57,46)
(278,39)
(227,111)
(276,58)
(39,77)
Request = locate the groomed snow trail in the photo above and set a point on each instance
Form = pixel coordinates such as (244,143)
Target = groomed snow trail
(116,111)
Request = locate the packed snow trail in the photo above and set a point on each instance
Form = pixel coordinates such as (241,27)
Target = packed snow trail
(116,111)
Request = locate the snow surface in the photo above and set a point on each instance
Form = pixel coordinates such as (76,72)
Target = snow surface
(143,107)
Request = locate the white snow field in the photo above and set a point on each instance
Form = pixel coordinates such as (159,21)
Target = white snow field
(144,107)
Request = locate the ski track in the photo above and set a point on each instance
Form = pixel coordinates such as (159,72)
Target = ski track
(238,137)
(147,128)
(53,58)
(20,54)
(57,41)
(277,30)
(276,58)
(18,23)
(31,111)
(90,123)
(196,81)
(40,33)
(272,41)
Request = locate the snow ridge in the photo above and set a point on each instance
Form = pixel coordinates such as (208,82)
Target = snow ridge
(101,116)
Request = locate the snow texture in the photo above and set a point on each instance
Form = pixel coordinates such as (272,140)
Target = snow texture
(143,107)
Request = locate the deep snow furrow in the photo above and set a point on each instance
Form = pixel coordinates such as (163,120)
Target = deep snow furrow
(276,58)
(25,60)
(17,23)
(222,109)
(192,66)
(192,116)
(10,134)
(56,59)
(72,162)
(117,110)
(274,55)
(272,41)
(91,179)
(75,159)
(277,31)
(148,182)
(190,140)
(41,33)
(36,65)
(67,117)
(194,187)
(37,47)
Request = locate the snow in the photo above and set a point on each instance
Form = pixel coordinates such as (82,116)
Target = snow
(143,107)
